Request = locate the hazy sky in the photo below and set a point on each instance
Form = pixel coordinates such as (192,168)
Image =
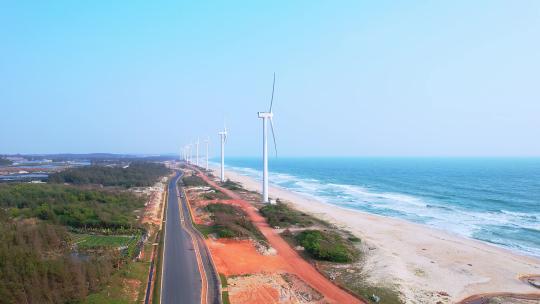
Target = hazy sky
(353,77)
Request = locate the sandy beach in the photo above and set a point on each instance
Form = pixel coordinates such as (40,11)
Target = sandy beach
(420,261)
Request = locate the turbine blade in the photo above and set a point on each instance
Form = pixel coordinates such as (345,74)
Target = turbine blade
(273,134)
(272,99)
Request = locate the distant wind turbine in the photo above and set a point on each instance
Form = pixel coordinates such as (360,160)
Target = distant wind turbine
(223,137)
(207,141)
(266,116)
(197,153)
(189,154)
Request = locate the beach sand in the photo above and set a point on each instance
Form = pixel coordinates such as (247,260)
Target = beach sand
(422,261)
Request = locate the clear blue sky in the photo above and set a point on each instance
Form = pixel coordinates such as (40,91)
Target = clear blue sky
(410,78)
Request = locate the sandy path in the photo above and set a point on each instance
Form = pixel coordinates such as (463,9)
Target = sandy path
(297,264)
(421,260)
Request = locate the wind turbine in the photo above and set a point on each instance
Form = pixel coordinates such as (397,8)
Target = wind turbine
(197,153)
(207,141)
(266,116)
(223,137)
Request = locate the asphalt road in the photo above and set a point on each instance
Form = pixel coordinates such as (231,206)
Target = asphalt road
(181,281)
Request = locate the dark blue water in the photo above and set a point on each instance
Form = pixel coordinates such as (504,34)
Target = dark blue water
(496,200)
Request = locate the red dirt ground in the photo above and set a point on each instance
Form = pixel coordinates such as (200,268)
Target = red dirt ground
(240,257)
(297,264)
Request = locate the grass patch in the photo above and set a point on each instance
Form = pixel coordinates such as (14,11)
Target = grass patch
(223,280)
(327,246)
(205,230)
(219,230)
(386,295)
(126,243)
(193,181)
(354,239)
(221,208)
(213,195)
(230,222)
(225,297)
(281,215)
(88,241)
(156,293)
(228,184)
(224,293)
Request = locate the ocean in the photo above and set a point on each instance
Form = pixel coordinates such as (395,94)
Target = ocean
(496,200)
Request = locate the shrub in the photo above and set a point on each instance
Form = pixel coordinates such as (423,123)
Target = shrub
(231,185)
(281,215)
(327,246)
(193,181)
(231,222)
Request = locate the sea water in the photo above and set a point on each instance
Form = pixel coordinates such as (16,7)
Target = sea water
(496,200)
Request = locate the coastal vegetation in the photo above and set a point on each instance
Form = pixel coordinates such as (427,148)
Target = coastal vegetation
(213,194)
(230,222)
(136,174)
(196,181)
(281,215)
(229,184)
(327,246)
(193,181)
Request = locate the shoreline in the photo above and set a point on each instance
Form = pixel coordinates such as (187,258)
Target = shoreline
(419,260)
(242,178)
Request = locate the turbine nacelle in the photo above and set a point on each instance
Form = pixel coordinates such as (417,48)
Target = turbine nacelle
(265,114)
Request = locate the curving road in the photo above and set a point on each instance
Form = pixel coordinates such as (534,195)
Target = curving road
(187,269)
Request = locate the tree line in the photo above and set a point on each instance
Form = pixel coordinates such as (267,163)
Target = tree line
(76,207)
(137,174)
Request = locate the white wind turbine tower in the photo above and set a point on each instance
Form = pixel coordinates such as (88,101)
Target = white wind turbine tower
(265,117)
(197,153)
(223,137)
(207,141)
